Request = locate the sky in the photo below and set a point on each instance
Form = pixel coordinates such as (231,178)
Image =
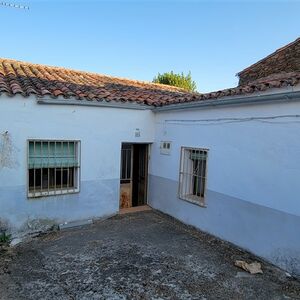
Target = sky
(137,39)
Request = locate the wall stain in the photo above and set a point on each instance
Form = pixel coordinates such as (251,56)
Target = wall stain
(7,152)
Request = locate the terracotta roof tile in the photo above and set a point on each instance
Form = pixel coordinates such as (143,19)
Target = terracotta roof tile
(285,59)
(27,78)
(262,84)
(31,79)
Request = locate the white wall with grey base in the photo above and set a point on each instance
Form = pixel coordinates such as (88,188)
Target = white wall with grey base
(252,196)
(101,130)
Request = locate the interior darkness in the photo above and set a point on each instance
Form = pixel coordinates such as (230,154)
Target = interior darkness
(139,175)
(45,176)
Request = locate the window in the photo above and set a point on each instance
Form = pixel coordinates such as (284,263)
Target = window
(192,178)
(53,167)
(126,158)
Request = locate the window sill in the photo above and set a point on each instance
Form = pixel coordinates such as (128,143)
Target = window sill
(191,199)
(32,195)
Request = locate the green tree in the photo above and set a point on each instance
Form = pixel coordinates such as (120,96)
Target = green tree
(179,80)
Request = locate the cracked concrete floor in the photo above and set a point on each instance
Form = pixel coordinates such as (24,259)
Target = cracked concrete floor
(145,255)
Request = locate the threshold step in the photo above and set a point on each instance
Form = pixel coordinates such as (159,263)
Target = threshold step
(134,209)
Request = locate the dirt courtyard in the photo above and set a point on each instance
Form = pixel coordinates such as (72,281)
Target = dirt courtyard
(143,255)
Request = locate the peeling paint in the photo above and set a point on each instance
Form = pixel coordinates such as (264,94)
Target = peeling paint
(29,227)
(125,198)
(7,152)
(36,224)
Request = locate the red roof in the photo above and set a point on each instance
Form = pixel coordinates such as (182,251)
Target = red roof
(32,79)
(260,85)
(18,77)
(285,59)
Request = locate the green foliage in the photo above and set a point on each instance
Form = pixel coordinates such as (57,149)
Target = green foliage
(5,238)
(178,80)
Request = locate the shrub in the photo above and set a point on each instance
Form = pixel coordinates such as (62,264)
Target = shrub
(179,80)
(5,238)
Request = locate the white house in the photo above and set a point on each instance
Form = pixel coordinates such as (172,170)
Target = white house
(77,146)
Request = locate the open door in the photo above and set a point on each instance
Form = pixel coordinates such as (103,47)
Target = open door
(134,175)
(140,172)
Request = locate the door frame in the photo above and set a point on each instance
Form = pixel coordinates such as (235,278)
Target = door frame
(148,150)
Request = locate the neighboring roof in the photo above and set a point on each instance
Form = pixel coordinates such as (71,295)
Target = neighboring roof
(285,59)
(23,78)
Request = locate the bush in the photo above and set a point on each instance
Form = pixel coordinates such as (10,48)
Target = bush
(179,80)
(5,239)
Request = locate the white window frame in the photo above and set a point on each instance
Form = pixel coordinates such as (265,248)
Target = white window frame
(187,176)
(57,190)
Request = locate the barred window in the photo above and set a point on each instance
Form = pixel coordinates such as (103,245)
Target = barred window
(53,167)
(126,163)
(192,178)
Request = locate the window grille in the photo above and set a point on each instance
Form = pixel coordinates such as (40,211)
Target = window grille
(53,167)
(192,178)
(126,161)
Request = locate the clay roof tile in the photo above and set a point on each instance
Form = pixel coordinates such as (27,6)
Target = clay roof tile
(25,78)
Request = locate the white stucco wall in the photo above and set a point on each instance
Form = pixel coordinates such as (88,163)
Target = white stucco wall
(252,160)
(101,131)
(252,176)
(253,168)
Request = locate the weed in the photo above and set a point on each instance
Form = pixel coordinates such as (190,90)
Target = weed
(5,238)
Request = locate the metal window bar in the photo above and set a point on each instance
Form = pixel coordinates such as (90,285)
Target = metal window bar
(74,159)
(43,172)
(126,158)
(192,177)
(41,184)
(34,171)
(68,169)
(48,144)
(55,164)
(61,168)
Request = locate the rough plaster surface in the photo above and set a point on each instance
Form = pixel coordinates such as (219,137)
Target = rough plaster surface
(250,160)
(101,131)
(7,152)
(97,198)
(144,255)
(269,233)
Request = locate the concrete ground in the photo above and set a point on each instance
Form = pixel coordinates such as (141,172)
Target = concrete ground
(144,255)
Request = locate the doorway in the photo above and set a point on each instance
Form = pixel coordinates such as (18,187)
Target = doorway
(134,175)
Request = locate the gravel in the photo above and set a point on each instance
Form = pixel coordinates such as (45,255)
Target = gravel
(143,255)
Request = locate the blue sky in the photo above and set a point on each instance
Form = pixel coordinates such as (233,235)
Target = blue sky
(137,39)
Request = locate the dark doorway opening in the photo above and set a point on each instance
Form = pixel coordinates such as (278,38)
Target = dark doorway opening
(139,175)
(134,175)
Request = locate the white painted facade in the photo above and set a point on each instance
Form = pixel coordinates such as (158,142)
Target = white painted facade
(253,171)
(257,161)
(101,131)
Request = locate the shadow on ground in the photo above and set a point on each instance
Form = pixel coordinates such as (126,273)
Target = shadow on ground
(145,255)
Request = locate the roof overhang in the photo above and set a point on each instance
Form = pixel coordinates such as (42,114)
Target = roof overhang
(289,94)
(236,100)
(103,103)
